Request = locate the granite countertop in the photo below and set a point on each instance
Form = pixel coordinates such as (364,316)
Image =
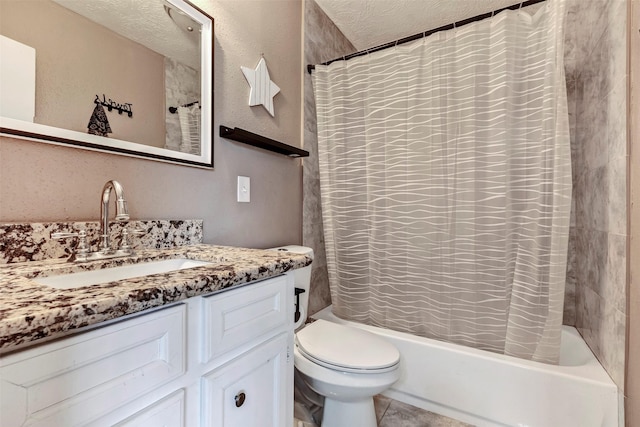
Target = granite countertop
(30,312)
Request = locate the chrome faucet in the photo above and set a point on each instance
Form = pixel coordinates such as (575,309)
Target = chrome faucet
(83,251)
(122,214)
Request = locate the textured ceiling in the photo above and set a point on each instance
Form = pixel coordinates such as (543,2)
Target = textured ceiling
(145,22)
(369,23)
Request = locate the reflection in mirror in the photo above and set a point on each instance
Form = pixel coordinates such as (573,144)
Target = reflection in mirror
(133,77)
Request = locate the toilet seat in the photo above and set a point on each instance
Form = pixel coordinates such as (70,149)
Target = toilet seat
(346,349)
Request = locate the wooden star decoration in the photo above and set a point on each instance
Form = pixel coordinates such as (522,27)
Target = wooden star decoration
(262,88)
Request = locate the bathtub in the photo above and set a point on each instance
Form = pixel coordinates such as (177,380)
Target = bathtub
(487,389)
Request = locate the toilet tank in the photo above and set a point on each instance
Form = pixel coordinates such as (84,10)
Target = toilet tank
(301,277)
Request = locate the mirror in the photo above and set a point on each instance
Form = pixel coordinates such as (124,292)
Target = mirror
(123,76)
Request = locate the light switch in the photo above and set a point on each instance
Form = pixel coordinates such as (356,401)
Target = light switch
(244,189)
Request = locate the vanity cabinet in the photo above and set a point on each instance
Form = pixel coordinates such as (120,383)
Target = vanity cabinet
(220,360)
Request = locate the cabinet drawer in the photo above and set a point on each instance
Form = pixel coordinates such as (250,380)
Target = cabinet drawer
(77,379)
(243,315)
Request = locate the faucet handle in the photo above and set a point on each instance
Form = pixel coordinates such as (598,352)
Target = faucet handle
(82,250)
(124,242)
(63,235)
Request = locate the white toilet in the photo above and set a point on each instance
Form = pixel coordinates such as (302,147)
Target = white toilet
(347,366)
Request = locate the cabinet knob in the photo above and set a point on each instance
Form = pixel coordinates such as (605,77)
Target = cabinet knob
(240,397)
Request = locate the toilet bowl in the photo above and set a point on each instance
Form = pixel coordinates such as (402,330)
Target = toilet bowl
(347,366)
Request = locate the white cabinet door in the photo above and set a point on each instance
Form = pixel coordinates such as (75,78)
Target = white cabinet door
(249,391)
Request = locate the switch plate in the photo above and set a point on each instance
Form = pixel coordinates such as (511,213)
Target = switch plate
(244,189)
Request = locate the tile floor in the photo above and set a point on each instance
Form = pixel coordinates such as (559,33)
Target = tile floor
(389,413)
(392,413)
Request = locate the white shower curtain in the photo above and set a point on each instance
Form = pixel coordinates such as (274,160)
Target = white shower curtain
(446,184)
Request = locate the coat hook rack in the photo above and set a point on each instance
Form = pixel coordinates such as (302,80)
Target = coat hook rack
(113,105)
(174,110)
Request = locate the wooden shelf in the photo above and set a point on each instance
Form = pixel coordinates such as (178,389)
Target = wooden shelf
(259,141)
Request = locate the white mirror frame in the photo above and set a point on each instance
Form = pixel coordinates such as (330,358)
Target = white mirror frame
(52,135)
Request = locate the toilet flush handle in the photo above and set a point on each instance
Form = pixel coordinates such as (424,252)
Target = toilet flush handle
(297,314)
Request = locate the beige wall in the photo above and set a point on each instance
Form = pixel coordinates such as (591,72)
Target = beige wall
(42,182)
(77,60)
(633,321)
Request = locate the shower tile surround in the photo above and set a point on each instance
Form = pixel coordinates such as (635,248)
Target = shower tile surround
(182,85)
(595,64)
(322,41)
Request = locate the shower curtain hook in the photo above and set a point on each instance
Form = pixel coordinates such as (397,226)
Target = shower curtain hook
(520,6)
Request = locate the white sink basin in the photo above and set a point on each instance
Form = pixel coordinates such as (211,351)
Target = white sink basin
(93,277)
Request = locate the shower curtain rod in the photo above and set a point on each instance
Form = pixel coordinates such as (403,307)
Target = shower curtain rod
(423,34)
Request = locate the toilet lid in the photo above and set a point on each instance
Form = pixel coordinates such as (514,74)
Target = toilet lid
(347,348)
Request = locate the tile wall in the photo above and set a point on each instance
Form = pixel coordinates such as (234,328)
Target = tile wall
(322,42)
(595,62)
